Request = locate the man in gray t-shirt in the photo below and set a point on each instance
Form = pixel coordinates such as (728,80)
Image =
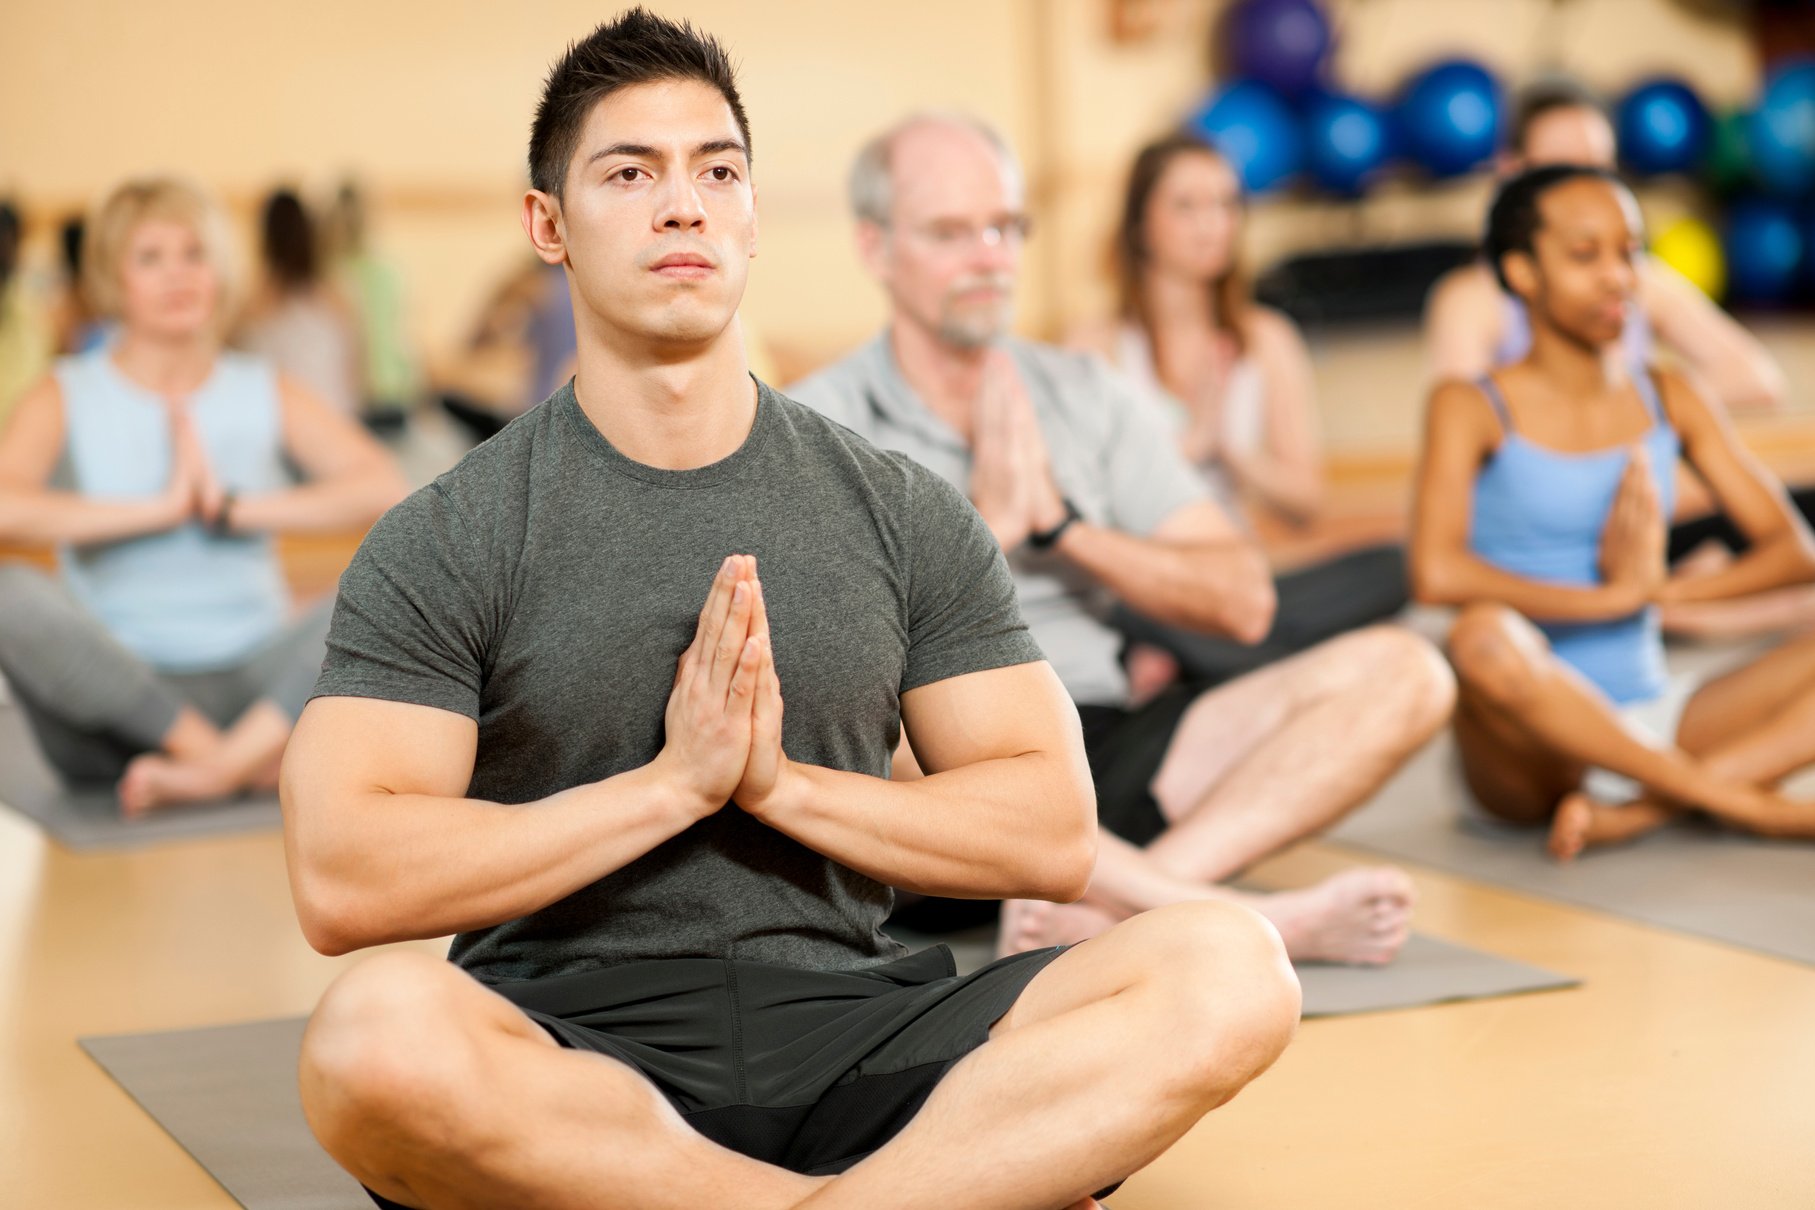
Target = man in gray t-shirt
(1077,475)
(614,701)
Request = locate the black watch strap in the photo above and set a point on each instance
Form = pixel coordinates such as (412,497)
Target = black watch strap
(1045,539)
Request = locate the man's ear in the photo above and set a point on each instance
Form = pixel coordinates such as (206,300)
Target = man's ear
(543,224)
(872,248)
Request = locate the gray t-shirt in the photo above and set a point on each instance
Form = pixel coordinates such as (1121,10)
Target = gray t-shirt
(1113,455)
(546,586)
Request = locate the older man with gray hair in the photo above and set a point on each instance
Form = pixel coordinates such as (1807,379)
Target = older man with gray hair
(1075,473)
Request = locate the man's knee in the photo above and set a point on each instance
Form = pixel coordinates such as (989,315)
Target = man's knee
(1232,999)
(376,1048)
(1493,651)
(1412,667)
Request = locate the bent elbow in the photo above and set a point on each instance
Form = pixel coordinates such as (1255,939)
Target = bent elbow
(329,922)
(1428,583)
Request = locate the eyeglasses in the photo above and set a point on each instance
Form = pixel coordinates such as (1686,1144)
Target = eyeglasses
(952,235)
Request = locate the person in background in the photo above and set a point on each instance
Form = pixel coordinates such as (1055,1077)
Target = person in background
(1540,514)
(1236,379)
(374,288)
(164,656)
(24,339)
(296,320)
(76,327)
(1073,469)
(1472,326)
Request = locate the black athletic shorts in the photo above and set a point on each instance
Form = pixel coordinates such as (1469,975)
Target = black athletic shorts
(1126,748)
(807,1070)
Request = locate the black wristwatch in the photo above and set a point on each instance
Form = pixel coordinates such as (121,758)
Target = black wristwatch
(1045,539)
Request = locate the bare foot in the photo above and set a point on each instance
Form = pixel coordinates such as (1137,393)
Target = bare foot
(1361,917)
(154,780)
(1031,924)
(1582,822)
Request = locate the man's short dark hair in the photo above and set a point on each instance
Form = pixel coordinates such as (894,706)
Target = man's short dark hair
(1548,96)
(1514,218)
(637,48)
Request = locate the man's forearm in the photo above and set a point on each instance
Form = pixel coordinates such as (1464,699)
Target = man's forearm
(1016,827)
(396,867)
(1223,588)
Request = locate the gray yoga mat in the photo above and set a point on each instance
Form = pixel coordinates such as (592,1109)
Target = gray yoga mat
(227,1094)
(91,819)
(1690,877)
(1427,971)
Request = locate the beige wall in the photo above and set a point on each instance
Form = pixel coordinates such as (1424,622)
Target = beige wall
(430,101)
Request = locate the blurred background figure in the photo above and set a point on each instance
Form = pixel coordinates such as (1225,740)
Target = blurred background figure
(373,287)
(517,352)
(24,339)
(1237,379)
(165,655)
(75,326)
(296,319)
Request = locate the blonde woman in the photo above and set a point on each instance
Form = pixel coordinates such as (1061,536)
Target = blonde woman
(164,656)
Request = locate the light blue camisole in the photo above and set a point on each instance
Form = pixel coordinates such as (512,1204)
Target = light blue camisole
(183,600)
(1539,513)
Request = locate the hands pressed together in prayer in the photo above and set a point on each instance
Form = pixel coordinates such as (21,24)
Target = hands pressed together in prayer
(194,492)
(1635,539)
(1011,473)
(723,721)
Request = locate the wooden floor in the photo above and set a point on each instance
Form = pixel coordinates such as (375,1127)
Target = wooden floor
(1680,1075)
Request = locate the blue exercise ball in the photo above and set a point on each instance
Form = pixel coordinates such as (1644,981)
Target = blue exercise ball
(1449,117)
(1347,139)
(1255,128)
(1281,43)
(1781,132)
(1663,127)
(1765,251)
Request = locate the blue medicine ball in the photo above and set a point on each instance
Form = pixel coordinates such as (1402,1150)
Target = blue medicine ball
(1765,251)
(1281,43)
(1347,139)
(1255,128)
(1781,132)
(1663,127)
(1449,117)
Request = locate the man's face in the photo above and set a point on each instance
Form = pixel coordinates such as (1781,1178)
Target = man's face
(949,254)
(1570,134)
(1584,258)
(657,220)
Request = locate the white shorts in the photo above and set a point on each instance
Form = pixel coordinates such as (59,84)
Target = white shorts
(1656,718)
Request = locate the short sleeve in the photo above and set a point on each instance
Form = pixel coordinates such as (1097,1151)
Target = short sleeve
(962,613)
(410,619)
(1149,478)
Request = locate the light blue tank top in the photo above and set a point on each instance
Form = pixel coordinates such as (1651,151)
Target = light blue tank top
(1539,513)
(183,600)
(1515,336)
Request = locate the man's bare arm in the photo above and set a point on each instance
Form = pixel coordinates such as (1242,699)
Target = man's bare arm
(1196,570)
(383,845)
(1006,808)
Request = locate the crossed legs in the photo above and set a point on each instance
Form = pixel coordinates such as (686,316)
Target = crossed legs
(435,1092)
(1529,726)
(1266,760)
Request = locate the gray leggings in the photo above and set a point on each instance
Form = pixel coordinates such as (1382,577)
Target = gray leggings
(94,705)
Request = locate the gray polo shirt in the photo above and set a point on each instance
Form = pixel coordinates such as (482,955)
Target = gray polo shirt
(1113,454)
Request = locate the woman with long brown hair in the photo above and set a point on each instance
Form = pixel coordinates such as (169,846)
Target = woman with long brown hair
(1238,379)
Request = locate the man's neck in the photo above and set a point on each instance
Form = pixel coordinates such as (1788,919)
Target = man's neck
(946,377)
(674,410)
(173,367)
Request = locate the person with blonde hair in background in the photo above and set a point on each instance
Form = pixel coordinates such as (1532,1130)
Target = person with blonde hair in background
(165,656)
